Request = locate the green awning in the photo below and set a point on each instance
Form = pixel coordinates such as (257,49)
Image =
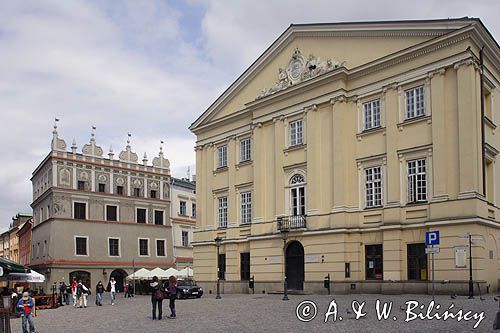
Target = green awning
(9,266)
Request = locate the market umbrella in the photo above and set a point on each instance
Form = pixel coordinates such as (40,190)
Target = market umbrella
(186,272)
(160,273)
(171,271)
(8,267)
(139,274)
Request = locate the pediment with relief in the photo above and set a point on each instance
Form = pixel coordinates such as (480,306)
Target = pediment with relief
(300,69)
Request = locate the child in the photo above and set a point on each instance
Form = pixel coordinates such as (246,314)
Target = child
(172,293)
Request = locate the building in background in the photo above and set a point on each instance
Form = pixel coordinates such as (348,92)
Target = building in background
(97,217)
(340,147)
(17,222)
(183,216)
(4,245)
(24,236)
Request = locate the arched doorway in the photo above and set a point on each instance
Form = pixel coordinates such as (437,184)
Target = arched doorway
(80,275)
(119,275)
(295,266)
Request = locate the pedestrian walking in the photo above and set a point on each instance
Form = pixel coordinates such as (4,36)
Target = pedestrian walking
(130,289)
(74,284)
(172,295)
(68,294)
(25,307)
(125,291)
(99,290)
(157,297)
(82,292)
(62,291)
(112,289)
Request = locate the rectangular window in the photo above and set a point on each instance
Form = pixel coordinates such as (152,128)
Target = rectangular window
(111,213)
(245,266)
(222,212)
(119,190)
(102,188)
(246,207)
(80,210)
(415,102)
(417,181)
(298,201)
(81,185)
(152,194)
(193,210)
(182,208)
(160,248)
(185,238)
(373,187)
(417,262)
(114,247)
(141,215)
(137,192)
(222,156)
(144,247)
(371,111)
(222,266)
(245,150)
(158,217)
(374,262)
(80,246)
(295,133)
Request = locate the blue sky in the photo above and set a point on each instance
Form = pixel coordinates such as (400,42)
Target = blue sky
(146,67)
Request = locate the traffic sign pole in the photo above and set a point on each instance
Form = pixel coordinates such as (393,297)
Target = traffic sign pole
(433,276)
(471,282)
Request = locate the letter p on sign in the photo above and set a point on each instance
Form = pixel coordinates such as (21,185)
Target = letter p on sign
(432,238)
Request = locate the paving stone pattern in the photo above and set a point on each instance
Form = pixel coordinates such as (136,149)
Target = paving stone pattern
(257,313)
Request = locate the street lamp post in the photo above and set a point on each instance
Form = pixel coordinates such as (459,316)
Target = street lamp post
(284,229)
(218,242)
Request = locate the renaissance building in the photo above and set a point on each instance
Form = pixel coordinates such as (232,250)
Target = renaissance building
(340,147)
(97,217)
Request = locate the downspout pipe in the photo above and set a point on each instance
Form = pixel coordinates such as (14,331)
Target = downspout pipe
(483,136)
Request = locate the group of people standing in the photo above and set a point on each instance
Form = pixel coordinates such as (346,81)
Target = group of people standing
(161,291)
(80,292)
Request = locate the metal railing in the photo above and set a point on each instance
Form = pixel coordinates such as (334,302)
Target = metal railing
(287,223)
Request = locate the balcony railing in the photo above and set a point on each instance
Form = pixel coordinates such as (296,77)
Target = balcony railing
(287,223)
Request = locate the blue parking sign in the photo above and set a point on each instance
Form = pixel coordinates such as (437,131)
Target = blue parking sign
(432,238)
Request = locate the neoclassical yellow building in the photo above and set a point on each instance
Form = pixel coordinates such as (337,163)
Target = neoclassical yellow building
(355,139)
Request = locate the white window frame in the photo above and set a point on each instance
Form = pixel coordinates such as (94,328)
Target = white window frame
(139,247)
(222,211)
(106,212)
(222,156)
(164,245)
(414,193)
(373,183)
(136,208)
(296,132)
(246,207)
(245,150)
(86,208)
(119,248)
(154,216)
(74,242)
(296,188)
(372,114)
(182,238)
(193,209)
(185,208)
(412,108)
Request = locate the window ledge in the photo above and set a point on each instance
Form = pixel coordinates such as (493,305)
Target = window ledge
(243,163)
(371,131)
(220,169)
(372,208)
(296,147)
(427,118)
(412,204)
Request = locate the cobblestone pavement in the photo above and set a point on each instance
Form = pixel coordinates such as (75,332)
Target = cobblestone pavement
(260,313)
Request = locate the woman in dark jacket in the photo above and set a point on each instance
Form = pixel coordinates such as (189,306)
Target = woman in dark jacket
(156,297)
(99,290)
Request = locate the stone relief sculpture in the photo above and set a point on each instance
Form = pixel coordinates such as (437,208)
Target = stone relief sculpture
(300,69)
(91,148)
(128,155)
(64,177)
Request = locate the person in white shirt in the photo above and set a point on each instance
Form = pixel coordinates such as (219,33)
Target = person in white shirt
(82,292)
(112,289)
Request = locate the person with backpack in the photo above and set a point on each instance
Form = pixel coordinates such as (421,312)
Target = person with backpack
(26,306)
(157,297)
(172,293)
(82,292)
(99,290)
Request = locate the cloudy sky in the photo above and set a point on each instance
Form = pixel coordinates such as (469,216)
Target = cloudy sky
(145,67)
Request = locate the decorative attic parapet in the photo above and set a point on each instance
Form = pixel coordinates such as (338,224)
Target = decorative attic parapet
(91,149)
(57,143)
(160,161)
(300,69)
(128,155)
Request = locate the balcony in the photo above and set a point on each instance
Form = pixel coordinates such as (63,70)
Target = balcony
(287,223)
